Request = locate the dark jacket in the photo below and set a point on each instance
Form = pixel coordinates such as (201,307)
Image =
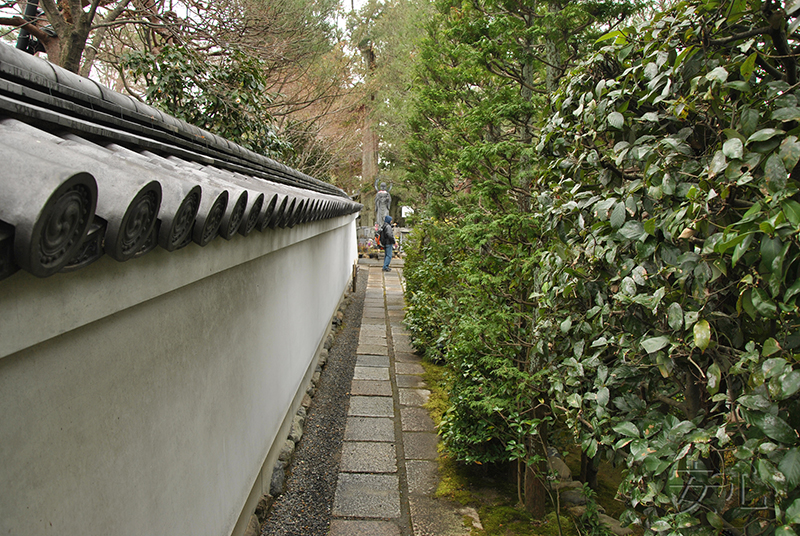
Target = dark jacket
(387,231)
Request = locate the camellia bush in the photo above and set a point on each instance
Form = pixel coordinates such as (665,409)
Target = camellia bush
(668,295)
(660,264)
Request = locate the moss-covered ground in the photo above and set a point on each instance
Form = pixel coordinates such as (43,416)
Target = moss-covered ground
(492,490)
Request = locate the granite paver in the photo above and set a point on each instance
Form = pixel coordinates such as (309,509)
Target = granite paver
(368,457)
(371,388)
(369,429)
(416,419)
(371,373)
(371,406)
(366,360)
(366,495)
(388,473)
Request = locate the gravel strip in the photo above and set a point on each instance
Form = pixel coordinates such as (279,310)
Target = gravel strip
(304,509)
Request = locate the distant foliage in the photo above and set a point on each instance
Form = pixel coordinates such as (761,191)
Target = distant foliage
(227,97)
(661,268)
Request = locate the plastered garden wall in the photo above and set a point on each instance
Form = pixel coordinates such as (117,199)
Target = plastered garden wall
(143,398)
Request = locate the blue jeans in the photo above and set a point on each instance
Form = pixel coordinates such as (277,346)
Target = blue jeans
(387,256)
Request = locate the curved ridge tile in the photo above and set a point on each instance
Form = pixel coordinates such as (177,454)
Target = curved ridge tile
(50,205)
(209,217)
(27,67)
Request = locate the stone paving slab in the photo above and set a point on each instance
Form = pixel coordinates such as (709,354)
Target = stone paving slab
(371,388)
(439,517)
(365,360)
(403,346)
(414,397)
(364,495)
(415,419)
(408,368)
(368,340)
(404,380)
(373,330)
(374,349)
(368,457)
(420,445)
(368,489)
(405,357)
(371,373)
(359,527)
(371,406)
(423,476)
(369,429)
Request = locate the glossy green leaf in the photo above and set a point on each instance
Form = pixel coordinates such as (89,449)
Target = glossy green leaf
(617,216)
(618,36)
(590,448)
(675,316)
(719,74)
(790,152)
(792,291)
(786,114)
(632,230)
(713,378)
(655,344)
(741,248)
(627,429)
(650,226)
(616,120)
(763,305)
(790,467)
(754,402)
(746,70)
(733,148)
(764,134)
(715,520)
(702,334)
(785,530)
(793,512)
(771,347)
(791,210)
(718,164)
(603,396)
(789,383)
(775,428)
(775,173)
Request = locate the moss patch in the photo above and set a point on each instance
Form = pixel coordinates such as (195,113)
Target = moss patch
(491,490)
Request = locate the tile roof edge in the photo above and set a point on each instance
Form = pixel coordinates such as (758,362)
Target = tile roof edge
(51,86)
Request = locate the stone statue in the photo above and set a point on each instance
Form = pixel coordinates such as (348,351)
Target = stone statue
(383,200)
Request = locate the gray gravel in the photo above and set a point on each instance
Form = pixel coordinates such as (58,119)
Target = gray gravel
(304,509)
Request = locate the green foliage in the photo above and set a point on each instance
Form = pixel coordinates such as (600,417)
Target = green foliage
(673,197)
(589,521)
(635,279)
(226,97)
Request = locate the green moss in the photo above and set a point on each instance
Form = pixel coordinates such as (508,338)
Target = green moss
(492,492)
(436,378)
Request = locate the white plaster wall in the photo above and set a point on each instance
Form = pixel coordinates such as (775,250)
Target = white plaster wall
(153,416)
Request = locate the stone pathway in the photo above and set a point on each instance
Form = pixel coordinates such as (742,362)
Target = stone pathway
(388,470)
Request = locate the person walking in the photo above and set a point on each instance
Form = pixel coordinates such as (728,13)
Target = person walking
(387,241)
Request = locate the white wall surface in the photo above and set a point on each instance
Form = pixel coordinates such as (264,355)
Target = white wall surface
(142,398)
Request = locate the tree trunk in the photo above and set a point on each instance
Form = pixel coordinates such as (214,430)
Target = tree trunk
(552,56)
(369,143)
(535,493)
(588,471)
(369,149)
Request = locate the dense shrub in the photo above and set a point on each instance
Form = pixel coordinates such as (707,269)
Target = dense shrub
(659,321)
